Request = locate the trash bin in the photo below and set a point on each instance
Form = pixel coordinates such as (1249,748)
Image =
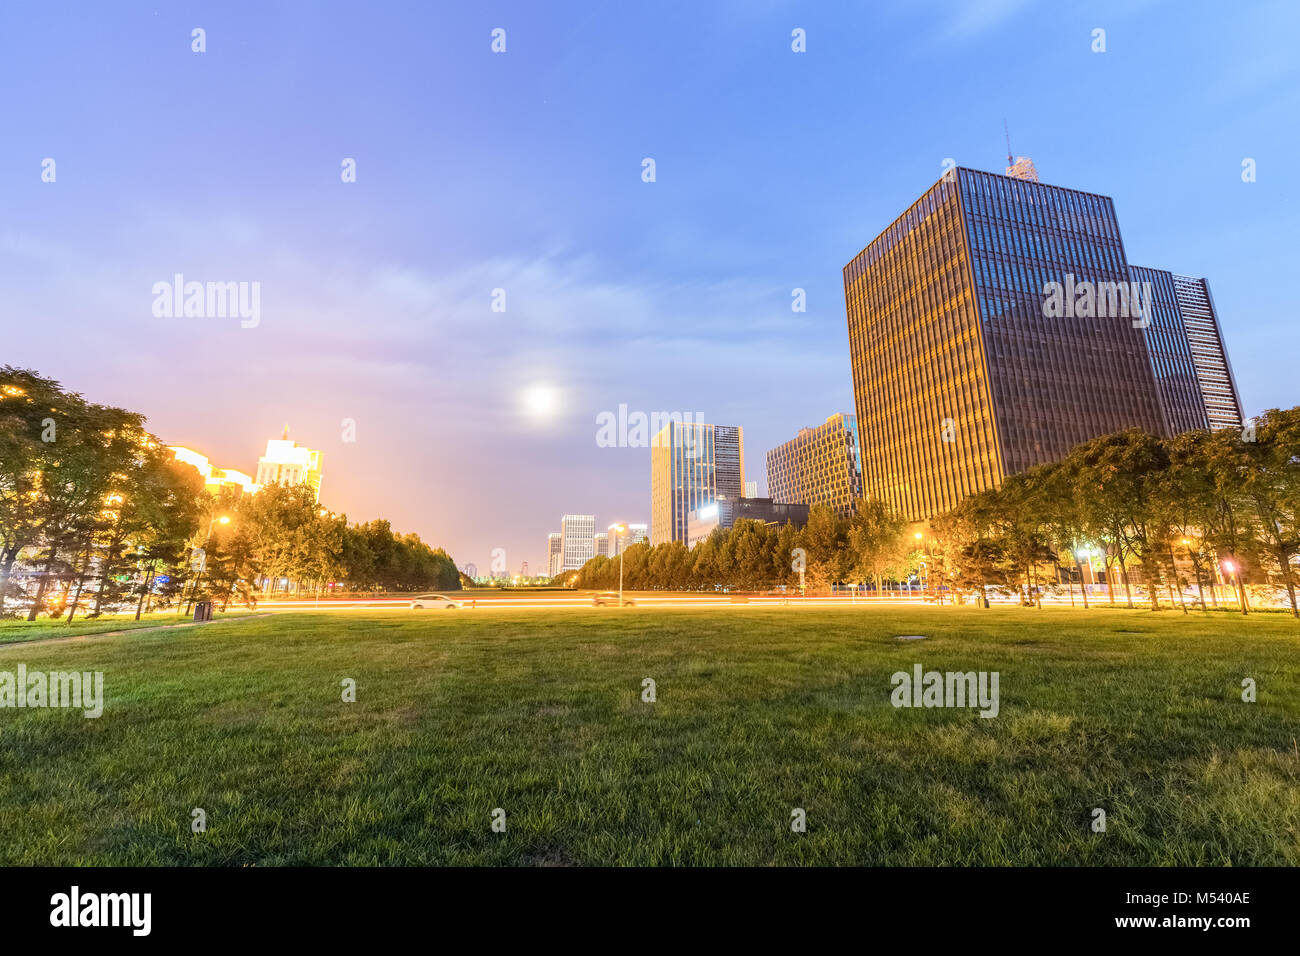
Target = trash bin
(203,611)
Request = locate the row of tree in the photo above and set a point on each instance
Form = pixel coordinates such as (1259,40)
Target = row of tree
(96,513)
(1173,515)
(871,546)
(1179,512)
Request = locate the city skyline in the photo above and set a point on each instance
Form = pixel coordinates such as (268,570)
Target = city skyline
(359,303)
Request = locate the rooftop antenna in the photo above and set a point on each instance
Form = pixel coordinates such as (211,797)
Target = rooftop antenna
(1022,168)
(285,436)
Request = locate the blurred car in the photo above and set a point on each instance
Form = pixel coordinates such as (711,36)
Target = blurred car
(429,601)
(610,597)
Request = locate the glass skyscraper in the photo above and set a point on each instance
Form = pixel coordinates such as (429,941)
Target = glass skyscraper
(1209,354)
(691,465)
(820,466)
(965,368)
(1170,354)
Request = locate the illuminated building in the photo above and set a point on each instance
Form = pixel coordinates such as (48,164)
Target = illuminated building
(691,465)
(214,479)
(1209,354)
(577,541)
(725,512)
(288,463)
(600,544)
(620,541)
(819,467)
(963,375)
(554,553)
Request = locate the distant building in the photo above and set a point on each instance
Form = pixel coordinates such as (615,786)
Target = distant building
(600,544)
(288,463)
(691,465)
(554,553)
(819,467)
(214,479)
(621,541)
(751,489)
(725,512)
(577,541)
(1209,354)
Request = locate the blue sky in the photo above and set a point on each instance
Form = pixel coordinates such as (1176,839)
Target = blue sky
(522,171)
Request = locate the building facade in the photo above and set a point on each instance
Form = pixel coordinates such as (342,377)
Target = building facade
(288,463)
(822,466)
(1209,354)
(214,479)
(577,541)
(966,370)
(600,544)
(725,512)
(1170,353)
(691,465)
(554,553)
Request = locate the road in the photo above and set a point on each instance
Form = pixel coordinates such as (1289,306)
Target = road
(496,600)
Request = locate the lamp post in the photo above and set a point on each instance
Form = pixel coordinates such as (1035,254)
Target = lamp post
(621,529)
(925,565)
(1231,570)
(224,519)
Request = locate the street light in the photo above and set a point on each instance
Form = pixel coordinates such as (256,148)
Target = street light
(621,529)
(1230,569)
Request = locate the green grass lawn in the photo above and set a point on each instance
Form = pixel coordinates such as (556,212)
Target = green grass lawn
(19,631)
(758,712)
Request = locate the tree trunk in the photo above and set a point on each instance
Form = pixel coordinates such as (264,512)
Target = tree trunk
(1128,590)
(81,580)
(148,584)
(1083,584)
(103,579)
(41,585)
(1284,561)
(7,559)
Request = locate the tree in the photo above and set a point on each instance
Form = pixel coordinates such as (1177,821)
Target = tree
(876,540)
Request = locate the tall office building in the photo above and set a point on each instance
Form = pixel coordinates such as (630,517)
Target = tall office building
(691,464)
(819,467)
(965,373)
(577,541)
(1209,354)
(288,463)
(554,553)
(600,544)
(1170,353)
